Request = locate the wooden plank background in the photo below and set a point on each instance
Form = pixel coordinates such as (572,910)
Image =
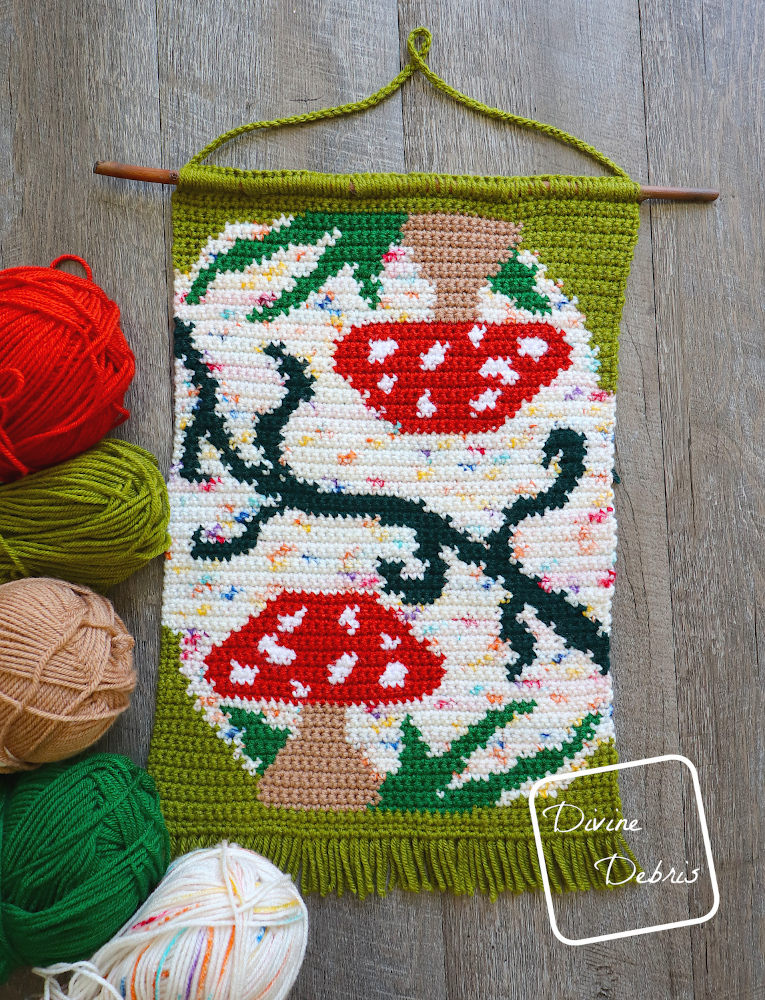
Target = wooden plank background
(672,90)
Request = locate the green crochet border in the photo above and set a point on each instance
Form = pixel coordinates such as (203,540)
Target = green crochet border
(206,795)
(583,228)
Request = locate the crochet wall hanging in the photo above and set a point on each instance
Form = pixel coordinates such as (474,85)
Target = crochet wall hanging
(387,600)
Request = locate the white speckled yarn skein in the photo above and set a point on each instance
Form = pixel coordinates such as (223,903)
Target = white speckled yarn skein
(224,924)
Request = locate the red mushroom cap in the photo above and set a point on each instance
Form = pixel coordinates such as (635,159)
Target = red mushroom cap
(444,378)
(338,649)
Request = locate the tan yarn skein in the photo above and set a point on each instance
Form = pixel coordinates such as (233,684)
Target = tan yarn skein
(66,670)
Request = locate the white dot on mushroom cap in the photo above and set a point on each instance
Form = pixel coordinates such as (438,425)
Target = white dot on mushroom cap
(435,356)
(242,674)
(340,670)
(499,367)
(425,406)
(275,653)
(349,620)
(300,690)
(394,675)
(379,350)
(387,382)
(288,623)
(476,335)
(532,347)
(486,400)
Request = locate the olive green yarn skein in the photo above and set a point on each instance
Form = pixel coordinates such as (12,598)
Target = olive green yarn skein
(83,846)
(93,519)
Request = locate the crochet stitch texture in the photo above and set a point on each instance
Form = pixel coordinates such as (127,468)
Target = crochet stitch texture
(387,599)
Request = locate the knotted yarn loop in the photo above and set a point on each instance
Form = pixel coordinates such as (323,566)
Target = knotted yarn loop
(78,260)
(418,55)
(417,64)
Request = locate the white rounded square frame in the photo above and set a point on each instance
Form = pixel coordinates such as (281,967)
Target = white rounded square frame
(638,930)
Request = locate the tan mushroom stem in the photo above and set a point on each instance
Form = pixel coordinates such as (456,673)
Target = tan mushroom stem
(457,253)
(318,768)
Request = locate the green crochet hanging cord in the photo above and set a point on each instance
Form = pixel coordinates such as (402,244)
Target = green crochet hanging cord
(387,601)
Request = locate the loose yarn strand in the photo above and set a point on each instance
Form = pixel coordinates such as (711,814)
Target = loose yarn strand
(417,64)
(52,989)
(78,260)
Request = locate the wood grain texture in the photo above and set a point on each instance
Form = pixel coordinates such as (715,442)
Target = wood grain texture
(658,85)
(704,69)
(235,63)
(379,949)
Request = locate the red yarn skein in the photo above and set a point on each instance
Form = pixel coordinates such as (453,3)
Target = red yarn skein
(64,367)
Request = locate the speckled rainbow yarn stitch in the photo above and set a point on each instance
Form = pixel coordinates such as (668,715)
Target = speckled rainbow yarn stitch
(387,600)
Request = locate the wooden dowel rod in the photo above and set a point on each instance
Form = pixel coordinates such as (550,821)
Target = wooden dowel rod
(110,168)
(677,194)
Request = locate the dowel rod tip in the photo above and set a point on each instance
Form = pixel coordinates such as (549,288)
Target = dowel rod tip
(155,175)
(677,193)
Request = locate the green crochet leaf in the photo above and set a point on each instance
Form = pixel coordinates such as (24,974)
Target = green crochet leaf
(516,280)
(420,777)
(485,792)
(261,741)
(381,230)
(421,781)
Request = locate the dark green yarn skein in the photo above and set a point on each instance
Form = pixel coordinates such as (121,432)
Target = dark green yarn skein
(83,846)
